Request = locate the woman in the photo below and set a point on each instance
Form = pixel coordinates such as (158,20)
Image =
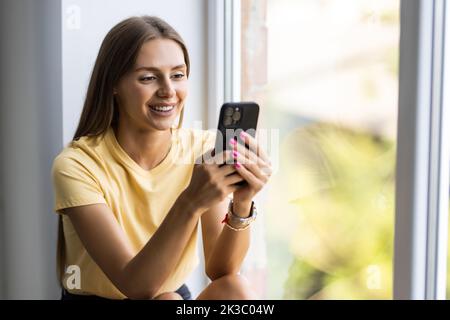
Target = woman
(127,189)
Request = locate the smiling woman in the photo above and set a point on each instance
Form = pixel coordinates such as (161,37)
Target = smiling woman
(129,193)
(157,90)
(151,97)
(114,74)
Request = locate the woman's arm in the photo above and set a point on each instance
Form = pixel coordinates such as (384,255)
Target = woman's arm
(224,248)
(137,275)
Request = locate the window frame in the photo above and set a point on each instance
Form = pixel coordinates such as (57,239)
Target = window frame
(420,254)
(224,56)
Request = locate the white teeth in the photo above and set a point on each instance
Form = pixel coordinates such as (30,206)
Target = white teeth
(162,108)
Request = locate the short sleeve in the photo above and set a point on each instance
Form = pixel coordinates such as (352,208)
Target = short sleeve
(74,185)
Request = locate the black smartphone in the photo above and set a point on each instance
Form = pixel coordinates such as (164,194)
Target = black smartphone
(234,118)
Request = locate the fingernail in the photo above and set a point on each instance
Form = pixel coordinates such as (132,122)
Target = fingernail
(243,134)
(232,141)
(235,154)
(237,165)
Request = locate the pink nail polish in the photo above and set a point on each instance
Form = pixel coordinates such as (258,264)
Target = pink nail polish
(235,154)
(243,134)
(232,141)
(237,165)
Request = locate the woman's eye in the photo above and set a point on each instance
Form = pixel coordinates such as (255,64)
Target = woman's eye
(148,78)
(179,76)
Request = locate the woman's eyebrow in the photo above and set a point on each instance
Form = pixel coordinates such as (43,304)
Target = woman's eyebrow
(156,69)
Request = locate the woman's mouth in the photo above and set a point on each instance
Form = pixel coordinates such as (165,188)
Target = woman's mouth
(163,111)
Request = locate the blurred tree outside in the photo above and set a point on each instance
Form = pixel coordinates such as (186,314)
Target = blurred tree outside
(343,243)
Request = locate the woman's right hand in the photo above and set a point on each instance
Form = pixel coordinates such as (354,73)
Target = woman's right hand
(213,179)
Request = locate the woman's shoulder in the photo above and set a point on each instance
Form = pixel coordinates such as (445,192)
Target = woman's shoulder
(83,151)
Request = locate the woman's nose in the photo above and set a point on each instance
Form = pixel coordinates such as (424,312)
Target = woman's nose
(166,89)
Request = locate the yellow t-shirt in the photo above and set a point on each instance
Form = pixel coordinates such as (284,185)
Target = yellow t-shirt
(97,170)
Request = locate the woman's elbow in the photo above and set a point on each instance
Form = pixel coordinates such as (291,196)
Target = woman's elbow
(214,273)
(210,274)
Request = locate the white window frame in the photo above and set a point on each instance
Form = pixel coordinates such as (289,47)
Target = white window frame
(422,175)
(423,134)
(224,56)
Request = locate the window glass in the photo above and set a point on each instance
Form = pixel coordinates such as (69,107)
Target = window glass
(325,74)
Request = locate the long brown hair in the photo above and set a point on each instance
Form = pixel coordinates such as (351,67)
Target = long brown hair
(116,57)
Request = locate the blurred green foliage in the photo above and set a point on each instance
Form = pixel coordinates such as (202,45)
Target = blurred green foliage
(343,244)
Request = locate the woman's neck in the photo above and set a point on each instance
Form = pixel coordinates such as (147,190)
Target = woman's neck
(146,148)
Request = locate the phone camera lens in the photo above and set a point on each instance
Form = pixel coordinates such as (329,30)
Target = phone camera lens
(229,111)
(227,121)
(236,116)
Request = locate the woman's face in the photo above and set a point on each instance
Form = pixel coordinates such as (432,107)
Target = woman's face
(152,95)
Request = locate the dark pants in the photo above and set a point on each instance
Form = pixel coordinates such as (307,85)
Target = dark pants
(183,291)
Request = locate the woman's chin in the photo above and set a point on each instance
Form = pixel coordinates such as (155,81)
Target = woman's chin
(161,126)
(163,123)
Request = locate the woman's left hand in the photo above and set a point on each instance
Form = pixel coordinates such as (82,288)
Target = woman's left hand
(253,165)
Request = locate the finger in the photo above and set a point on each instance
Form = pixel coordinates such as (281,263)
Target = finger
(250,165)
(227,170)
(254,146)
(265,167)
(252,180)
(233,178)
(249,154)
(267,171)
